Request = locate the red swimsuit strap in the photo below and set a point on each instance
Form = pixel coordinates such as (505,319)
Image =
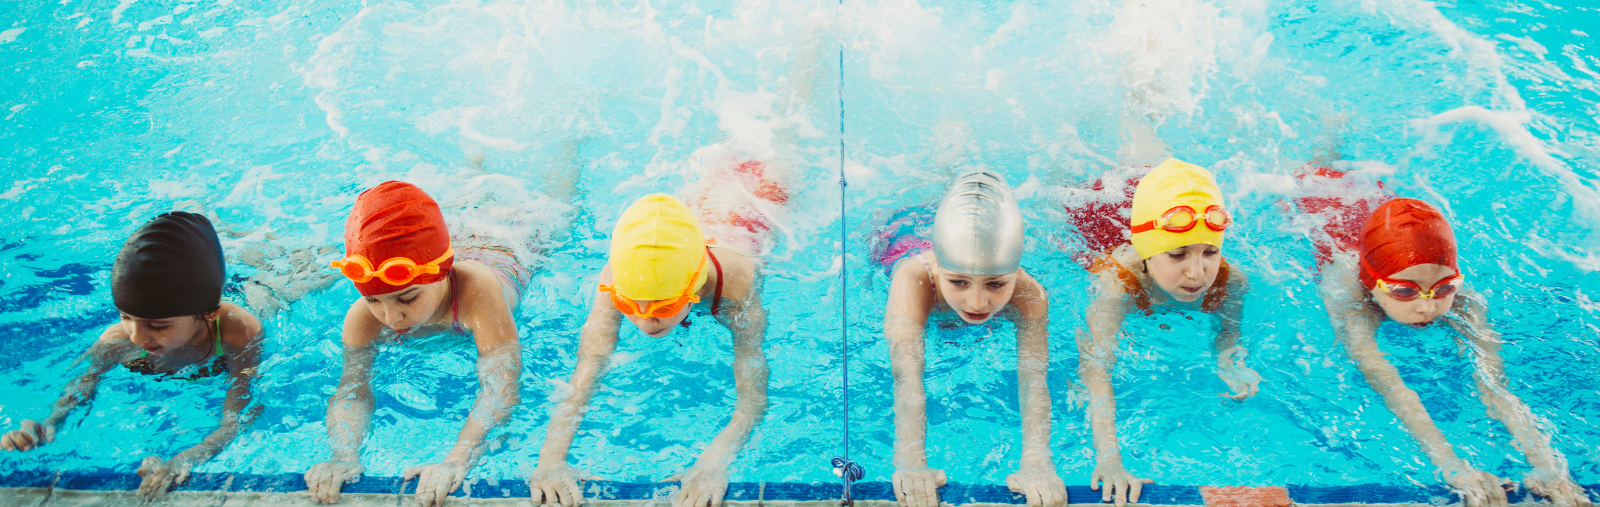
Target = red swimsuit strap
(716,297)
(455,320)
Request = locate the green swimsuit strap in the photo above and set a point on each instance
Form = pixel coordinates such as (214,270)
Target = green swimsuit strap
(220,352)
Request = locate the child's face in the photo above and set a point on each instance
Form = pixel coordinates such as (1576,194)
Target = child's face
(410,307)
(976,298)
(1420,311)
(160,336)
(655,327)
(1185,272)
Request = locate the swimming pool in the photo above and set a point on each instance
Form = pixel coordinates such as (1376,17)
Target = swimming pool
(274,115)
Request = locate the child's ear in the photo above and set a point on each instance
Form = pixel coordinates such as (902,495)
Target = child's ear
(211,315)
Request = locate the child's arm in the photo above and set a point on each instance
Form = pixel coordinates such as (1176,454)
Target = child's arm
(1096,358)
(242,342)
(349,409)
(904,321)
(1242,380)
(486,314)
(106,352)
(1356,326)
(1037,477)
(553,480)
(707,480)
(1549,477)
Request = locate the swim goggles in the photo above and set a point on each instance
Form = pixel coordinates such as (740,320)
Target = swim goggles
(1183,218)
(1407,291)
(395,271)
(660,309)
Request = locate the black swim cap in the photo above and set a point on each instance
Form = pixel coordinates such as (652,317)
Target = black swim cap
(170,267)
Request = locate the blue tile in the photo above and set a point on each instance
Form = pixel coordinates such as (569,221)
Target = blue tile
(27,479)
(203,482)
(101,479)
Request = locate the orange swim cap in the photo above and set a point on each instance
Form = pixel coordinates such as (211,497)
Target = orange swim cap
(1404,233)
(397,219)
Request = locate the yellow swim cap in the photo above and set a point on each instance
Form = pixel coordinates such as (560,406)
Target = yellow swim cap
(656,246)
(1174,183)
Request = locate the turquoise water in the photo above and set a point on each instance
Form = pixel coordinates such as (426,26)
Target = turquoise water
(273,115)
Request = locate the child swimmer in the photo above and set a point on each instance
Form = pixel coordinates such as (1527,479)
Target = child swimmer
(1177,227)
(416,280)
(167,286)
(1401,264)
(971,269)
(660,267)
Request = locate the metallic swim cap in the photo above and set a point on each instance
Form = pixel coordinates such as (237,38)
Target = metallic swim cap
(978,229)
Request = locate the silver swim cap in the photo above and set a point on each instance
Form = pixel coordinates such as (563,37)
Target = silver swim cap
(978,229)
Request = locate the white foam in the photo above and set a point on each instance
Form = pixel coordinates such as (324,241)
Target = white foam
(11,35)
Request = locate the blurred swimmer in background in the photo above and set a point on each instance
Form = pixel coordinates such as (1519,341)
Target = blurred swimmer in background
(167,286)
(968,270)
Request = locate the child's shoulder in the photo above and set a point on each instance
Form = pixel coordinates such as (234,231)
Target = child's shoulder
(239,326)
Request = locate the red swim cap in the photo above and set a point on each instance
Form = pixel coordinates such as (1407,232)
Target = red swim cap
(1404,233)
(397,219)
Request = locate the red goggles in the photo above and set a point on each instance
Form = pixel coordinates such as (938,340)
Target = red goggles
(395,271)
(1183,218)
(660,309)
(1408,291)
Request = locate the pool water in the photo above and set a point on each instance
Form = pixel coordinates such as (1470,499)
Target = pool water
(274,115)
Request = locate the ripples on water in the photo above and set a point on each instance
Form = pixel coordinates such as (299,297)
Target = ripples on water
(273,115)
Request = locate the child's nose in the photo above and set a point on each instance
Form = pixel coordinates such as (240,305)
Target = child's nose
(392,315)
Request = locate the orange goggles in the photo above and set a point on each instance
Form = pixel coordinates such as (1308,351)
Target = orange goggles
(1407,291)
(395,271)
(1183,218)
(660,309)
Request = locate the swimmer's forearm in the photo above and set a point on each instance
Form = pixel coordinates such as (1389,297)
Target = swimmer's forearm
(750,385)
(349,415)
(567,414)
(1033,360)
(910,419)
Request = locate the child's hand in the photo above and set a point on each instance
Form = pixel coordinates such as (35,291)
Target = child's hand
(1556,485)
(702,486)
(324,480)
(1476,487)
(436,481)
(556,484)
(30,436)
(1115,483)
(1043,487)
(160,475)
(918,487)
(1241,380)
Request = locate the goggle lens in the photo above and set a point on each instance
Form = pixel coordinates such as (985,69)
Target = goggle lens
(397,274)
(1182,219)
(1404,292)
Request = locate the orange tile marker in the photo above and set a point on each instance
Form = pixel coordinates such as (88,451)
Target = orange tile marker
(1241,496)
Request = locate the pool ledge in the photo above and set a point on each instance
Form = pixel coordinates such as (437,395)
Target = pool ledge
(111,488)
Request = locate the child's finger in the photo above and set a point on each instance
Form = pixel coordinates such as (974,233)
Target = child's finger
(1134,488)
(574,494)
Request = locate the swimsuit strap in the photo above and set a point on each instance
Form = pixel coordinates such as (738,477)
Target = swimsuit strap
(1130,282)
(1218,291)
(455,318)
(716,298)
(219,351)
